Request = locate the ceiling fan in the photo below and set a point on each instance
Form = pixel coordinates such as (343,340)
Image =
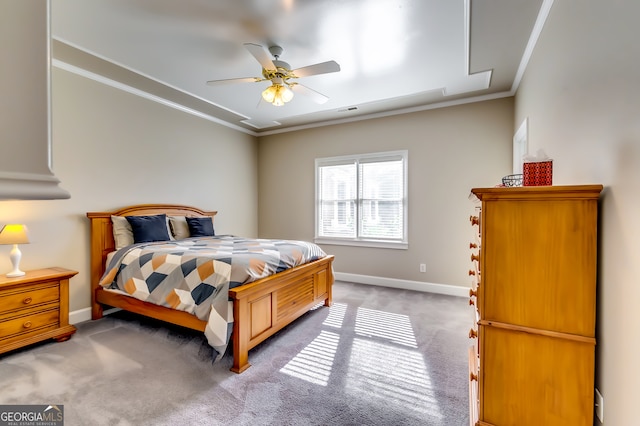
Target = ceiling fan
(281,75)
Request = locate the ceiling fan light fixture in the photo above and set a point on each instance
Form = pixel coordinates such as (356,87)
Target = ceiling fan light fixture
(277,94)
(286,94)
(269,94)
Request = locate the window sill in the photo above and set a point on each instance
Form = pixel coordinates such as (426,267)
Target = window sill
(362,243)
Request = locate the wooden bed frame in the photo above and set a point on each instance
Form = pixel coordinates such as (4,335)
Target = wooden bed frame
(260,308)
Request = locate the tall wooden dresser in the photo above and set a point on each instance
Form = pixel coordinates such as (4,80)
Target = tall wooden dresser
(534,294)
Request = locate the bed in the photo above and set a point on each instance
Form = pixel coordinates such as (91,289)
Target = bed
(260,308)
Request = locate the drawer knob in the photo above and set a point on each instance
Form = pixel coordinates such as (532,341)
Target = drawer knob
(473,377)
(473,293)
(474,257)
(471,272)
(473,334)
(474,220)
(473,245)
(27,300)
(27,324)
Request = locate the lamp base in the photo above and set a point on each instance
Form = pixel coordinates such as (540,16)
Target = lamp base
(15,255)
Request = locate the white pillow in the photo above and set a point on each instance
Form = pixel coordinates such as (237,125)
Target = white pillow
(122,232)
(179,227)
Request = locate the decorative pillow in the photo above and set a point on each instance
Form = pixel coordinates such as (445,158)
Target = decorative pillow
(200,226)
(149,228)
(171,236)
(179,227)
(122,232)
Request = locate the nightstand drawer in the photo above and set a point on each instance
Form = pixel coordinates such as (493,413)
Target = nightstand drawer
(28,296)
(27,323)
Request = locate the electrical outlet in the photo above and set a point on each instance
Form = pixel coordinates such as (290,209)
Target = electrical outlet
(599,406)
(423,267)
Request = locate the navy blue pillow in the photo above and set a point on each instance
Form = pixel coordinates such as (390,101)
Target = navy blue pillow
(200,226)
(147,229)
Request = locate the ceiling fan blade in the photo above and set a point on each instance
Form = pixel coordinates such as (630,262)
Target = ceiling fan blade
(304,90)
(321,68)
(233,80)
(261,55)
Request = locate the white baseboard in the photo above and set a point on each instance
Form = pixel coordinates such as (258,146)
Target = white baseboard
(451,290)
(82,315)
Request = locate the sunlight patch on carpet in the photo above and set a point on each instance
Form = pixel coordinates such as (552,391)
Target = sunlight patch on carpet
(395,328)
(315,361)
(336,315)
(395,375)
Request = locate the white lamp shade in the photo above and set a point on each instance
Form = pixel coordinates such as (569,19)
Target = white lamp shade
(14,234)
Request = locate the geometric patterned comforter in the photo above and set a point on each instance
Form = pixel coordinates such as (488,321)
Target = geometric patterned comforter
(194,275)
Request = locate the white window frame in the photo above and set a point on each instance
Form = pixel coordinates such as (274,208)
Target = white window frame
(360,241)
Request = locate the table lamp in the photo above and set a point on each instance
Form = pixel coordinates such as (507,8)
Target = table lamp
(14,234)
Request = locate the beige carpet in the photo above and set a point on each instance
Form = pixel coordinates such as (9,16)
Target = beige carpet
(378,356)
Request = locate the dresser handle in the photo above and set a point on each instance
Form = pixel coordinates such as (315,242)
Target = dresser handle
(474,220)
(471,302)
(474,257)
(27,324)
(27,300)
(473,293)
(473,334)
(471,272)
(473,245)
(473,377)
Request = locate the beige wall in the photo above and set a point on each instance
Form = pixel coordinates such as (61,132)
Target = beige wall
(113,149)
(450,149)
(581,92)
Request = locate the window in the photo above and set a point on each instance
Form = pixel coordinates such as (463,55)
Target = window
(362,200)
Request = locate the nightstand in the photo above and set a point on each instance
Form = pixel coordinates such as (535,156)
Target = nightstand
(35,307)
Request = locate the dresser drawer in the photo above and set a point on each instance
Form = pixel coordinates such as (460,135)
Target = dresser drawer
(27,323)
(474,403)
(563,387)
(25,297)
(473,331)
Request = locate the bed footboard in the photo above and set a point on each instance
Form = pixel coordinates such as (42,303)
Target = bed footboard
(262,309)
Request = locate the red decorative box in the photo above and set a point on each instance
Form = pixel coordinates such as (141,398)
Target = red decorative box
(537,174)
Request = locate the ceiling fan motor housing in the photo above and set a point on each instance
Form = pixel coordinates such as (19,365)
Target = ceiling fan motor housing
(276,51)
(283,71)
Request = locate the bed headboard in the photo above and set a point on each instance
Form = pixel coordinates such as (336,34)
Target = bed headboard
(101,231)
